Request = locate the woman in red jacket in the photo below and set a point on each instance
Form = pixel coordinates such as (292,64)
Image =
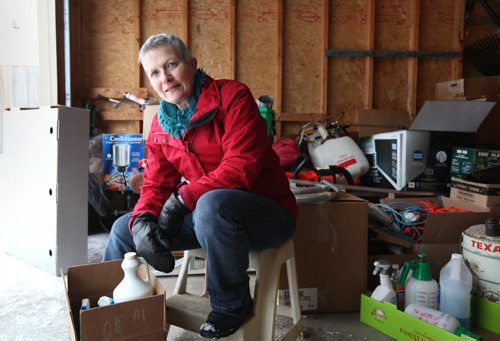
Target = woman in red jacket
(212,180)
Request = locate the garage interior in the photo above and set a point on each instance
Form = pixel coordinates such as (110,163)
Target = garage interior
(365,67)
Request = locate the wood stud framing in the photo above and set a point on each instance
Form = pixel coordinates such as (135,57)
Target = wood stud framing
(336,85)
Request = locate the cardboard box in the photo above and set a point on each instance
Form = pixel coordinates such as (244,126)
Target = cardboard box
(476,193)
(385,317)
(121,155)
(330,251)
(149,113)
(142,319)
(475,163)
(44,173)
(441,237)
(308,298)
(460,89)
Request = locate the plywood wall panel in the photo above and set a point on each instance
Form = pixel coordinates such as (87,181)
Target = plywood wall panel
(278,47)
(346,76)
(437,25)
(392,23)
(210,36)
(390,85)
(302,56)
(108,46)
(346,87)
(348,21)
(161,16)
(431,71)
(257,46)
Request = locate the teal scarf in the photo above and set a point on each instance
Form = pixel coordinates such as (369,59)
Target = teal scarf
(174,120)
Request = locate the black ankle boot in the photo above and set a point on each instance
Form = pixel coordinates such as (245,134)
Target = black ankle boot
(222,324)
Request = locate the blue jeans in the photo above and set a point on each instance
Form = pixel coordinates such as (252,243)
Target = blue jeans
(226,224)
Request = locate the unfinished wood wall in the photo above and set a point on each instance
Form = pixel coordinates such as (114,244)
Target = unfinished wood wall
(277,48)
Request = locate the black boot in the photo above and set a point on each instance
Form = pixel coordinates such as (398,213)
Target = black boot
(222,324)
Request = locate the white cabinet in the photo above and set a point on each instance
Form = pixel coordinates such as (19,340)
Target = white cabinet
(44,186)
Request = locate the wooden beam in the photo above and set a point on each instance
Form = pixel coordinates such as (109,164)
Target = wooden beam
(232,39)
(185,26)
(137,37)
(458,37)
(411,101)
(114,92)
(75,32)
(324,74)
(122,113)
(300,117)
(370,45)
(278,101)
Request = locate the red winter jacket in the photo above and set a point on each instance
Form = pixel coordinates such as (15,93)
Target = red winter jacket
(225,146)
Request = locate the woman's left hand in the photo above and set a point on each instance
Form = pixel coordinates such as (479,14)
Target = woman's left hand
(172,216)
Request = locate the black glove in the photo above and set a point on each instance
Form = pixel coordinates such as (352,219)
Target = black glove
(172,216)
(151,243)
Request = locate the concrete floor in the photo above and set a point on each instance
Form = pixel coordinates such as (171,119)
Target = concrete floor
(32,307)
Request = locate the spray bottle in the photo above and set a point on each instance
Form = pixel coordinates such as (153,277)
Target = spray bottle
(421,288)
(384,291)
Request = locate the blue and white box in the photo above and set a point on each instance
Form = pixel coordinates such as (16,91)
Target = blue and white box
(122,155)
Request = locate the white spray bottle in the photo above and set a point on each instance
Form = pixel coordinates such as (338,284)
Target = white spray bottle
(384,291)
(421,288)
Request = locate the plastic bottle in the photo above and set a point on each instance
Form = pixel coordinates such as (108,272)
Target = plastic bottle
(384,291)
(455,281)
(132,286)
(421,288)
(439,319)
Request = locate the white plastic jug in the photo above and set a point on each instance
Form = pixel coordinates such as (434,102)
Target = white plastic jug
(133,286)
(455,281)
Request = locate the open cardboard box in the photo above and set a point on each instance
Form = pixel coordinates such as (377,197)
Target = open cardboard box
(441,237)
(141,319)
(330,253)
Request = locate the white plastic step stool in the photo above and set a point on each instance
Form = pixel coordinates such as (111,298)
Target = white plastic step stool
(189,311)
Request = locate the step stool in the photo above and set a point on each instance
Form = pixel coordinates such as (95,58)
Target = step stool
(189,311)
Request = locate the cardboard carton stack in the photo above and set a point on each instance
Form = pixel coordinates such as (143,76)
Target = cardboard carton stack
(475,177)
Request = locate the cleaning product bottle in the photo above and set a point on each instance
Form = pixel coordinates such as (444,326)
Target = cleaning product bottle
(439,319)
(398,287)
(132,286)
(455,281)
(384,291)
(421,287)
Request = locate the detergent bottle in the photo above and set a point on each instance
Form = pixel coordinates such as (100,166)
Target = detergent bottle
(421,288)
(455,281)
(132,286)
(384,291)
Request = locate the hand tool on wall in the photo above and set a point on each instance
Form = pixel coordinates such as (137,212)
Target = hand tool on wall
(116,102)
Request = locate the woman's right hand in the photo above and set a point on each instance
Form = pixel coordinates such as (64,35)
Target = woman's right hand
(151,243)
